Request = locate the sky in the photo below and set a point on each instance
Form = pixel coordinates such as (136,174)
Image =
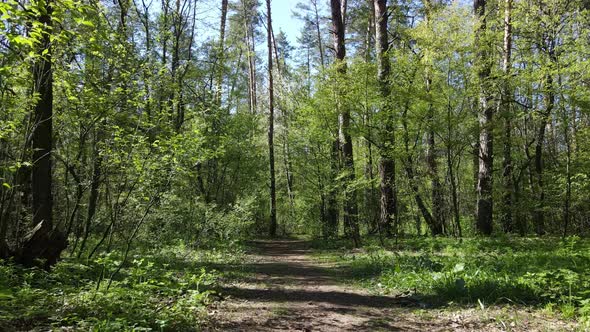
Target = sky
(208,13)
(282,19)
(282,12)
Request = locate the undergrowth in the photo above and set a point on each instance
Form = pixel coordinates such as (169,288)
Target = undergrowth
(549,273)
(164,290)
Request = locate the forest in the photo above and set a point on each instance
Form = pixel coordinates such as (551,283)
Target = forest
(187,165)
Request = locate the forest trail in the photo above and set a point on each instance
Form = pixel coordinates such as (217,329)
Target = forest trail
(290,291)
(287,289)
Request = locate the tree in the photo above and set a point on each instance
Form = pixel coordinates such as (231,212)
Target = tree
(431,150)
(249,19)
(504,111)
(43,241)
(386,162)
(119,126)
(271,114)
(221,51)
(311,17)
(484,209)
(338,10)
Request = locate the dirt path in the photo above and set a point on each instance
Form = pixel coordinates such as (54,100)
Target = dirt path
(289,291)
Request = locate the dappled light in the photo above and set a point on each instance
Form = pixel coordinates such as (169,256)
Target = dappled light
(294,165)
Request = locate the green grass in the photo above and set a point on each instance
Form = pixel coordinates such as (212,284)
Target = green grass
(164,290)
(540,272)
(169,289)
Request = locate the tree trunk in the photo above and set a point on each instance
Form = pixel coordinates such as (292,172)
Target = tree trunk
(178,23)
(94,189)
(221,52)
(251,55)
(338,9)
(386,162)
(453,181)
(484,208)
(332,211)
(371,215)
(285,116)
(271,151)
(568,175)
(43,242)
(504,110)
(164,36)
(435,184)
(409,168)
(539,215)
(431,162)
(319,34)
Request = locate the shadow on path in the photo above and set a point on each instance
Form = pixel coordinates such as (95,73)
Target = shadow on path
(339,298)
(285,289)
(288,290)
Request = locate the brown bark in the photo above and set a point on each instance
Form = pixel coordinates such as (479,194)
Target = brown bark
(338,32)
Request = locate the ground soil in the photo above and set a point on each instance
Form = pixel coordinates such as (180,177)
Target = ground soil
(288,290)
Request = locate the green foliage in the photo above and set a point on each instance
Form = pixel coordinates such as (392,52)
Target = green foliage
(147,154)
(166,290)
(509,270)
(201,224)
